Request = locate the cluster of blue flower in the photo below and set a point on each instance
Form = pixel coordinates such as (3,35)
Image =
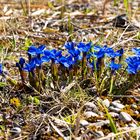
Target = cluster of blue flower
(133,62)
(82,54)
(76,53)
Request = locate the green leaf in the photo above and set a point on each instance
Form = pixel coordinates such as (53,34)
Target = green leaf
(126,4)
(2,84)
(36,101)
(28,43)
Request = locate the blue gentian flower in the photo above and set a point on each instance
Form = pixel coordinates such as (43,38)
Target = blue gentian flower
(84,47)
(40,49)
(54,55)
(75,53)
(1,69)
(99,52)
(67,61)
(32,50)
(114,66)
(136,51)
(30,66)
(21,63)
(51,55)
(69,45)
(113,54)
(46,57)
(133,64)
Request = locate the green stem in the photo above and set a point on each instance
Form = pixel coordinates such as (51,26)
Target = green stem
(111,84)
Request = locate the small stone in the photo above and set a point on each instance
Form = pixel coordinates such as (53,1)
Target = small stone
(134,106)
(114,109)
(89,114)
(136,112)
(132,125)
(91,105)
(106,102)
(84,122)
(16,130)
(100,123)
(118,105)
(113,114)
(125,117)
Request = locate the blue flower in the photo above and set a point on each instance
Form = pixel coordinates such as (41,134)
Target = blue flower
(21,63)
(67,61)
(51,55)
(113,54)
(136,51)
(30,66)
(133,64)
(1,69)
(99,52)
(46,57)
(84,47)
(32,50)
(40,49)
(114,66)
(69,45)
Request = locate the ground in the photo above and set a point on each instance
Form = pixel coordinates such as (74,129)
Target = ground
(77,111)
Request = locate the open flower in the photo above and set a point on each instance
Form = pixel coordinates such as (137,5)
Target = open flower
(30,66)
(84,47)
(133,64)
(114,66)
(67,61)
(69,45)
(36,51)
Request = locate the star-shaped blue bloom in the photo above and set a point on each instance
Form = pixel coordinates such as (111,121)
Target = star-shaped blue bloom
(69,45)
(32,50)
(30,66)
(114,66)
(84,47)
(67,61)
(133,64)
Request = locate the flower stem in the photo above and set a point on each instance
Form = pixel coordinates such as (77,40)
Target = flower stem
(111,84)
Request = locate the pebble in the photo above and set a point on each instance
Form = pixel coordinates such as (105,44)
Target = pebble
(100,123)
(113,114)
(91,105)
(118,105)
(89,114)
(134,106)
(84,122)
(132,125)
(114,109)
(106,102)
(16,130)
(125,117)
(136,112)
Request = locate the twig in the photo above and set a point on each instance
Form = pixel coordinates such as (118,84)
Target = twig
(56,129)
(120,133)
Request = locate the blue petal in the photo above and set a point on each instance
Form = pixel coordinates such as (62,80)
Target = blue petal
(1,70)
(32,50)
